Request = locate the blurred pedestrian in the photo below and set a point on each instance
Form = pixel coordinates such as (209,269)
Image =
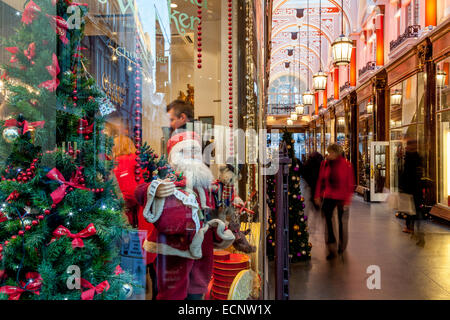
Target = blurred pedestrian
(334,189)
(409,182)
(310,173)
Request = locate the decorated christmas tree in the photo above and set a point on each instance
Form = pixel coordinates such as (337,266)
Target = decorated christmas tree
(270,194)
(299,245)
(60,219)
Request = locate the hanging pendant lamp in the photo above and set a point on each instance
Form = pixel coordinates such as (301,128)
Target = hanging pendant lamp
(320,78)
(299,108)
(341,49)
(308,97)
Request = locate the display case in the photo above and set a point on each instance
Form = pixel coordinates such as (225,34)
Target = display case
(379,155)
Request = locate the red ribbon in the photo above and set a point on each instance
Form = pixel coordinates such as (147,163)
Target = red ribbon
(24,124)
(77,241)
(30,53)
(244,207)
(84,127)
(3,218)
(30,12)
(54,70)
(13,196)
(89,294)
(33,284)
(13,51)
(59,194)
(60,26)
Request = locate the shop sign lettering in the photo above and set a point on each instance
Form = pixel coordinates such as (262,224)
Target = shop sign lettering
(113,91)
(182,21)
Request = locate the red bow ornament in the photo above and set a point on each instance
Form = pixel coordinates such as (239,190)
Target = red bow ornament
(77,241)
(118,270)
(89,294)
(60,26)
(84,127)
(54,70)
(30,12)
(13,196)
(13,51)
(33,284)
(30,53)
(25,125)
(59,194)
(3,218)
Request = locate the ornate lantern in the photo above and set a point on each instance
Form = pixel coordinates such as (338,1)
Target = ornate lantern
(396,98)
(320,78)
(300,109)
(308,98)
(294,116)
(341,49)
(320,81)
(370,107)
(441,77)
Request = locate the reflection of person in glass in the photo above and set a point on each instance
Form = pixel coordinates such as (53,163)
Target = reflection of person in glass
(124,153)
(409,180)
(335,186)
(180,113)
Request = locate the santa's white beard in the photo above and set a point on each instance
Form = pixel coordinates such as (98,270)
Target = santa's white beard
(197,174)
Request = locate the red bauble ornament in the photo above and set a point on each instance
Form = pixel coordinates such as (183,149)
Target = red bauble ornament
(47,212)
(53,206)
(21,233)
(41,217)
(28,228)
(34,222)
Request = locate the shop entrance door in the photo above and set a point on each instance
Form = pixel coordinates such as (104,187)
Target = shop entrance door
(378,154)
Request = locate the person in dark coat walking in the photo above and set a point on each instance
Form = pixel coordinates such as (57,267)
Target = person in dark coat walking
(409,180)
(310,173)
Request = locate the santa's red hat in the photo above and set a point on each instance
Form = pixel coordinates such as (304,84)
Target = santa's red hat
(182,140)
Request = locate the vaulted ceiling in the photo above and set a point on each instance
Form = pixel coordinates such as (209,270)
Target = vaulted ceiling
(291,16)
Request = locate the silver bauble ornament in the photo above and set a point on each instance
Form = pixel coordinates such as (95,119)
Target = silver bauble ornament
(11,134)
(128,290)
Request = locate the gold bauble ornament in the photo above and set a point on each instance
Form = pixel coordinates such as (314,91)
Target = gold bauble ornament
(273,244)
(289,147)
(290,241)
(294,196)
(296,227)
(299,233)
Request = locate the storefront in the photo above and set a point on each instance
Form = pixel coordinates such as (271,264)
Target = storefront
(441,61)
(365,135)
(106,91)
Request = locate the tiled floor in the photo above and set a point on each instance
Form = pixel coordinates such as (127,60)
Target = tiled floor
(408,270)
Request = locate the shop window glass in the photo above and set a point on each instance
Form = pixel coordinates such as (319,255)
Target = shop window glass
(104,92)
(365,137)
(443,133)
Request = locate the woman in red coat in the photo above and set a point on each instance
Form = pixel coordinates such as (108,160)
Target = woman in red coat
(335,188)
(124,153)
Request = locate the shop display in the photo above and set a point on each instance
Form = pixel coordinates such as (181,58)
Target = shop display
(299,245)
(62,211)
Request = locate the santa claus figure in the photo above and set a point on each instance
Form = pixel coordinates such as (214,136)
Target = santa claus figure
(185,238)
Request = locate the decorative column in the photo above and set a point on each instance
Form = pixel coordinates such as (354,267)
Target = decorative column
(381,124)
(379,25)
(426,65)
(353,66)
(282,226)
(354,132)
(316,98)
(430,13)
(336,83)
(325,97)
